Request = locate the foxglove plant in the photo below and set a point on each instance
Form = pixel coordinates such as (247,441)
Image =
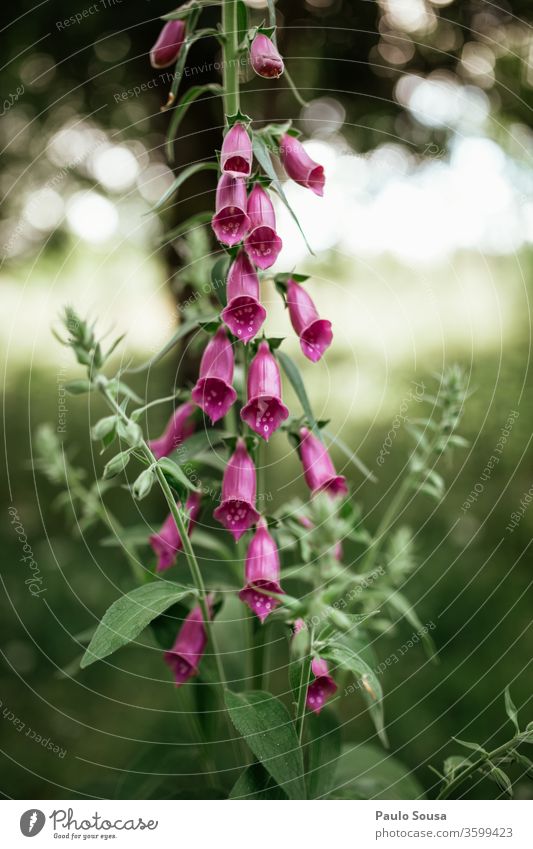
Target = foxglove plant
(303,540)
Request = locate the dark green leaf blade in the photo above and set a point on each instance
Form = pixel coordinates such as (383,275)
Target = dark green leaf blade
(324,750)
(265,724)
(293,373)
(129,615)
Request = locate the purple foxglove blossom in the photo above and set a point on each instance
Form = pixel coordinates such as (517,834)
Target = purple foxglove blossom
(213,392)
(237,510)
(265,411)
(322,688)
(186,653)
(265,58)
(262,570)
(299,165)
(236,154)
(167,543)
(244,314)
(230,222)
(262,242)
(314,332)
(179,428)
(167,47)
(319,471)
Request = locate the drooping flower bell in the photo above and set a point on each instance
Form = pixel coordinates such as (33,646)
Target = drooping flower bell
(237,510)
(214,392)
(265,411)
(167,542)
(262,242)
(179,428)
(230,222)
(265,58)
(319,471)
(323,686)
(244,314)
(236,154)
(167,47)
(261,571)
(299,165)
(314,332)
(185,655)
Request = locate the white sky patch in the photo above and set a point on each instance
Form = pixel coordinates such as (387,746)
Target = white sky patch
(92,217)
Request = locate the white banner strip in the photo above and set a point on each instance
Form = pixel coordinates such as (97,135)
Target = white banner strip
(255,825)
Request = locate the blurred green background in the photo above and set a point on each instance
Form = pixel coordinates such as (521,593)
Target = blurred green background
(420,112)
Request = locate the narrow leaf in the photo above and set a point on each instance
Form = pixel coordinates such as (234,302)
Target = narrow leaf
(184,175)
(324,749)
(256,783)
(293,373)
(181,108)
(511,710)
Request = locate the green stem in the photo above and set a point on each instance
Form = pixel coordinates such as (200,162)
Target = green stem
(466,773)
(302,691)
(230,57)
(179,518)
(258,654)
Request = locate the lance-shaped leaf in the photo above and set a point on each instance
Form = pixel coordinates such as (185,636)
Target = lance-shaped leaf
(511,710)
(262,154)
(183,330)
(179,111)
(343,657)
(129,615)
(184,175)
(265,724)
(324,749)
(291,370)
(256,783)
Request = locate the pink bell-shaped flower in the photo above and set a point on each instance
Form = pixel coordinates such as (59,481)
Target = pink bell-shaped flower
(214,392)
(237,510)
(179,428)
(262,242)
(167,47)
(186,653)
(236,154)
(319,471)
(244,314)
(323,686)
(299,165)
(265,411)
(167,542)
(265,58)
(262,571)
(314,332)
(230,222)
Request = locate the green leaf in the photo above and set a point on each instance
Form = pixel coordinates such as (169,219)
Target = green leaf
(511,710)
(184,329)
(500,778)
(366,772)
(351,456)
(143,484)
(291,370)
(262,154)
(176,477)
(453,764)
(130,432)
(129,615)
(117,464)
(265,724)
(182,177)
(78,387)
(400,604)
(181,108)
(187,226)
(475,747)
(345,658)
(219,273)
(104,427)
(256,783)
(324,749)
